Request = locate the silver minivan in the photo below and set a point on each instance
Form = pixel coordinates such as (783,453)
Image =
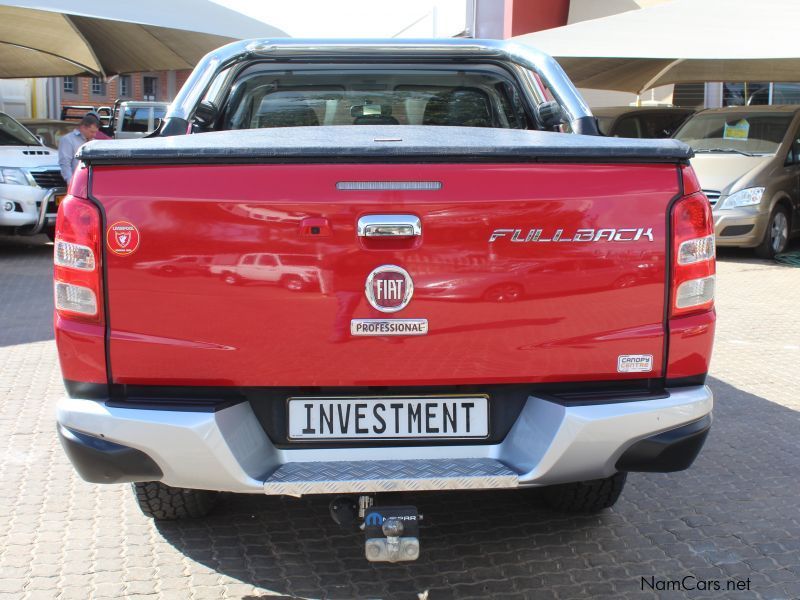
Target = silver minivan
(747,159)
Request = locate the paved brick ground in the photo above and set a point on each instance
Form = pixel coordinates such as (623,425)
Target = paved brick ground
(734,516)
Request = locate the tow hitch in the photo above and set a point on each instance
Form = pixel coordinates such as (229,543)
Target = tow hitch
(392,532)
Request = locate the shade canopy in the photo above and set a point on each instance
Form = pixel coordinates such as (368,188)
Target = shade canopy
(42,38)
(682,41)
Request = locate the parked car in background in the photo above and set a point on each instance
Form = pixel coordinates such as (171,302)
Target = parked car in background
(748,163)
(49,131)
(135,119)
(641,121)
(125,120)
(30,181)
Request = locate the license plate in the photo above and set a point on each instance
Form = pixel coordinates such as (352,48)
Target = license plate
(377,418)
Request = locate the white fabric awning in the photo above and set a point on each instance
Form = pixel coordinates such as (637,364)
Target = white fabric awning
(679,42)
(41,38)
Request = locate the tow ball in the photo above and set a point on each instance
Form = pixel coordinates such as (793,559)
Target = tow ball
(392,532)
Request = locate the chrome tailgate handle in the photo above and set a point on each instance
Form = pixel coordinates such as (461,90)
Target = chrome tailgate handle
(389,226)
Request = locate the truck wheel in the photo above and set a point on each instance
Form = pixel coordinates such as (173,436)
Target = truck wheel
(294,284)
(165,503)
(585,496)
(230,278)
(776,237)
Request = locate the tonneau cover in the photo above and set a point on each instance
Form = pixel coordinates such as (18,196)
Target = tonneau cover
(403,142)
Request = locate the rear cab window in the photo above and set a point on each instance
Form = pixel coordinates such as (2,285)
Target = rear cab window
(266,96)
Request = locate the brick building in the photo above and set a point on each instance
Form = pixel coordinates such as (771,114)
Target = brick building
(97,92)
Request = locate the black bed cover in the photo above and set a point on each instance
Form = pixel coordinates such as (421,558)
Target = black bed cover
(411,143)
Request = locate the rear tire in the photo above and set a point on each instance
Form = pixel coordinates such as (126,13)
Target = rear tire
(230,278)
(294,284)
(585,496)
(776,237)
(164,503)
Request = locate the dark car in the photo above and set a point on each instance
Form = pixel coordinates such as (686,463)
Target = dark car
(641,121)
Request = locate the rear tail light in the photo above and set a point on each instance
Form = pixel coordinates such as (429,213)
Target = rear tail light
(693,263)
(77,280)
(695,292)
(75,298)
(74,256)
(696,250)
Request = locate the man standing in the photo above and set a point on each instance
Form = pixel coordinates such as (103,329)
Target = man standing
(69,144)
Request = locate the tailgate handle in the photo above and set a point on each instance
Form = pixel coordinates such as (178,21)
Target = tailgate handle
(389,226)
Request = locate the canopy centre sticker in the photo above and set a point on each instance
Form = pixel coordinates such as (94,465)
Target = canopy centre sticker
(737,131)
(122,238)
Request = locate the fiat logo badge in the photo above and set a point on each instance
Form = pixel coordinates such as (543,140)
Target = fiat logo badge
(389,288)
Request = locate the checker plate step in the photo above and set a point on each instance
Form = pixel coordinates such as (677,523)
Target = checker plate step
(349,477)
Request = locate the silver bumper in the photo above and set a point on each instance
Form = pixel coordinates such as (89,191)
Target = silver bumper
(228,450)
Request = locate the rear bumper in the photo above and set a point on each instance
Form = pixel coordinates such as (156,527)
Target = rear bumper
(227,449)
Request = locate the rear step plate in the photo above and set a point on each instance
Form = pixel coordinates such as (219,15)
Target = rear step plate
(351,477)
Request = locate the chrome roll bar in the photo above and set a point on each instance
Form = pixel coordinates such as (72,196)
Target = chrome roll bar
(552,75)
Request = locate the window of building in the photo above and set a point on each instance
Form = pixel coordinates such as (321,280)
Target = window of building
(98,86)
(69,85)
(150,88)
(124,86)
(691,95)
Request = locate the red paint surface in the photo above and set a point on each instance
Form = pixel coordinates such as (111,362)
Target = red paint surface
(229,288)
(81,350)
(535,15)
(690,343)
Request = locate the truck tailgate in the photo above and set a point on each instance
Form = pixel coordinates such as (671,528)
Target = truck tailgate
(249,274)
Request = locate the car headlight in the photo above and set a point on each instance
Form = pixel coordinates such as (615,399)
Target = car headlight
(13,176)
(746,197)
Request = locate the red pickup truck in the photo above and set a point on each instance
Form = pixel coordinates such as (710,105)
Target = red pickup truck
(491,303)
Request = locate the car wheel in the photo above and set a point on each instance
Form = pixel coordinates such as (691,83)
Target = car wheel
(164,503)
(776,237)
(585,496)
(230,278)
(503,292)
(294,284)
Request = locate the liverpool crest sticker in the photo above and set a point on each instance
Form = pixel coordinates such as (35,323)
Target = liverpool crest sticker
(122,238)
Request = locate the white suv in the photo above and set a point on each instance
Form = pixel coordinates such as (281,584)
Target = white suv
(30,181)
